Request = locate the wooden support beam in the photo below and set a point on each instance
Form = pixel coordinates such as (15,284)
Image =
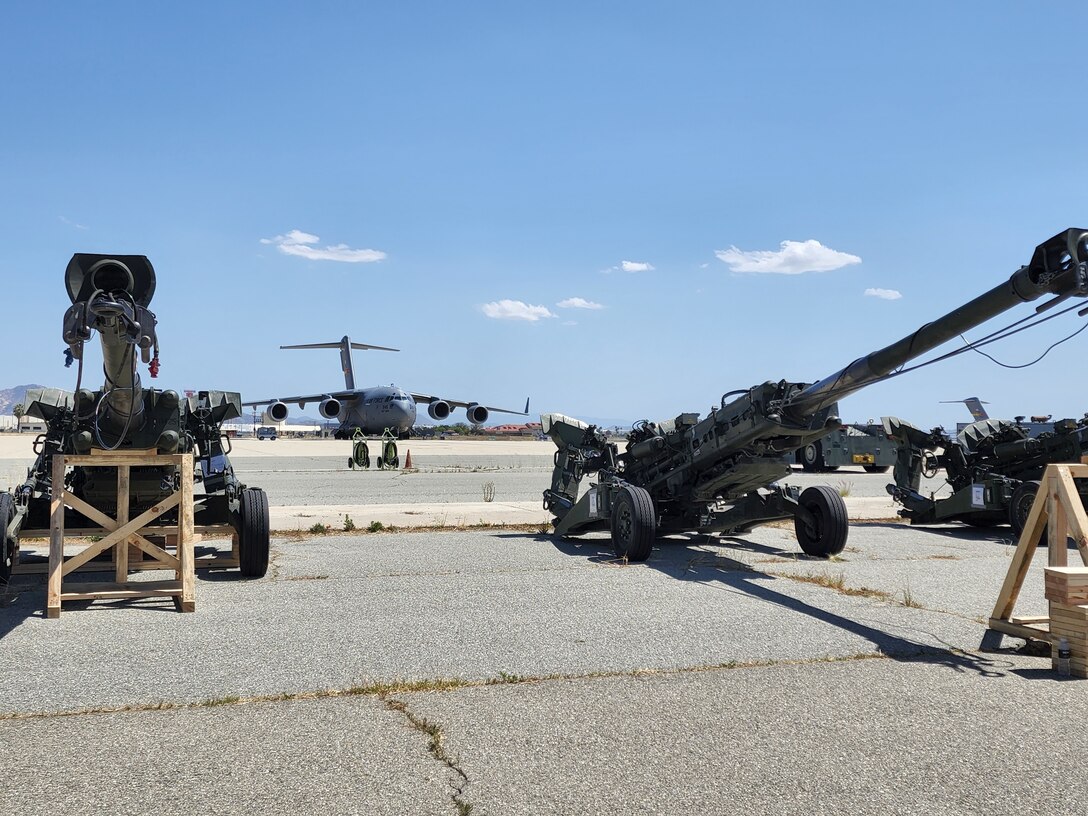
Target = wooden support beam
(123,498)
(1021,559)
(120,535)
(56,540)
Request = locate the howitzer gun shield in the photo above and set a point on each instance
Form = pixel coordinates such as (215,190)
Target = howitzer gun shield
(88,273)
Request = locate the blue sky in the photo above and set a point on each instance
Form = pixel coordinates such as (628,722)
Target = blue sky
(431,176)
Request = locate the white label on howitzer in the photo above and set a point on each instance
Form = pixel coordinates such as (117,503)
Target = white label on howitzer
(593,502)
(978,495)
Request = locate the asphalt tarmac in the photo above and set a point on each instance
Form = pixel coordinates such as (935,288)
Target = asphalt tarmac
(505,672)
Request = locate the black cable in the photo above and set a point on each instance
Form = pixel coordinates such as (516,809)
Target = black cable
(993,337)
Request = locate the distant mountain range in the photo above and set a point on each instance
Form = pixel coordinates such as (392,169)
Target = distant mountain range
(10,397)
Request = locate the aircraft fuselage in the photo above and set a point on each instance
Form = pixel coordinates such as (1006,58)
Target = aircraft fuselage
(377,408)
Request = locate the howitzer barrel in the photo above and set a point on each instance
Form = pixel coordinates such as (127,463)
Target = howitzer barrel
(109,295)
(1059,266)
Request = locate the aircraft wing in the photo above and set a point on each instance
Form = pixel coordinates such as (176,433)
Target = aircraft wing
(343,396)
(428,398)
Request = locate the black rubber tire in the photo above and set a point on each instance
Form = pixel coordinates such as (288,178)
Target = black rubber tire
(379,462)
(253,536)
(1020,506)
(877,468)
(351,463)
(396,462)
(633,524)
(828,536)
(7,547)
(812,458)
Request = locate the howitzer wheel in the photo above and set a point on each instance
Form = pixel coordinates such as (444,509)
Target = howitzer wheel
(7,546)
(1020,507)
(253,532)
(812,458)
(825,535)
(634,524)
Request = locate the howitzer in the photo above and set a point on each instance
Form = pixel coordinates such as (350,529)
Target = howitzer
(719,474)
(110,295)
(992,466)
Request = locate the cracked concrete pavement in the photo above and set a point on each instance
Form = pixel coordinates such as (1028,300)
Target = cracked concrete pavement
(718,677)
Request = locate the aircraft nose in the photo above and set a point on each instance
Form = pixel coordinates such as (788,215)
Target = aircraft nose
(407,418)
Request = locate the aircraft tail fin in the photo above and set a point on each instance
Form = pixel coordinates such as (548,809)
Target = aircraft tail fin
(974,405)
(345,345)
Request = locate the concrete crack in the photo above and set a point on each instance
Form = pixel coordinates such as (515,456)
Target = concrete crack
(437,750)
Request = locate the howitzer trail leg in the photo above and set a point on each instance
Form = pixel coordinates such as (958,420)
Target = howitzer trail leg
(567,474)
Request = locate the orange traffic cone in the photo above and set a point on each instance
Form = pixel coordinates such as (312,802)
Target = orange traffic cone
(408,461)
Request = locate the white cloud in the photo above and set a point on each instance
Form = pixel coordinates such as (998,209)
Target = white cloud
(515,310)
(578,303)
(629,266)
(297,242)
(886,294)
(71,223)
(794,258)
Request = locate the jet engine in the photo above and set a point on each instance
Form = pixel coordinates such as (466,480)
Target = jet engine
(329,408)
(276,411)
(439,409)
(476,413)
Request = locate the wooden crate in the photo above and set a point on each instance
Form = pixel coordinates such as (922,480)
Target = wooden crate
(120,533)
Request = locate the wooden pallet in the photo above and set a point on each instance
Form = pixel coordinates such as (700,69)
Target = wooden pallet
(121,532)
(1059,510)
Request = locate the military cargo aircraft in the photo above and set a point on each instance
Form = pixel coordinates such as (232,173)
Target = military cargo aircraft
(374,409)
